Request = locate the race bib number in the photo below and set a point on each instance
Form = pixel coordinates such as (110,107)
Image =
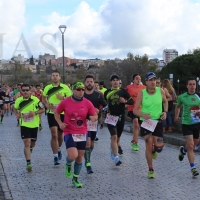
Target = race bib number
(110,119)
(1,101)
(53,107)
(6,99)
(26,117)
(79,137)
(149,124)
(92,126)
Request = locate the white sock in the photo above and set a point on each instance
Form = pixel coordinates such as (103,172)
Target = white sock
(59,149)
(55,155)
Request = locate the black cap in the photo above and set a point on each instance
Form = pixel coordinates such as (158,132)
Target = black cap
(114,76)
(101,83)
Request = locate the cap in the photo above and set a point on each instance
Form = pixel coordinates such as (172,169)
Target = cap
(114,76)
(135,76)
(101,83)
(77,85)
(149,75)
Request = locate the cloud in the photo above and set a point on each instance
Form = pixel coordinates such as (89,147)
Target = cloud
(12,23)
(118,27)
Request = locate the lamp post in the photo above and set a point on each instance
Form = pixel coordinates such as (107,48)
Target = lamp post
(62,30)
(197,83)
(178,85)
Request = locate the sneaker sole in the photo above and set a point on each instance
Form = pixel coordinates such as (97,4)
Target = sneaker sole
(118,163)
(29,168)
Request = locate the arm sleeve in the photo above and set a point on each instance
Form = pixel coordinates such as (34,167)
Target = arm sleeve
(102,101)
(128,97)
(61,107)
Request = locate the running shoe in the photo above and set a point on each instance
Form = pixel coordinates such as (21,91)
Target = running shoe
(96,139)
(111,154)
(75,182)
(135,146)
(29,167)
(117,161)
(101,126)
(120,151)
(196,147)
(89,170)
(194,172)
(151,174)
(60,155)
(154,155)
(1,122)
(40,128)
(68,171)
(181,154)
(56,161)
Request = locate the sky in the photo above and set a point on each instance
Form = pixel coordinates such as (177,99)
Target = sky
(104,29)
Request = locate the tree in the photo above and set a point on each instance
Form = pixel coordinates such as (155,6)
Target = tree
(32,61)
(80,74)
(37,69)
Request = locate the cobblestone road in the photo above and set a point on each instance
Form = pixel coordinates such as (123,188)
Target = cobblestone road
(128,181)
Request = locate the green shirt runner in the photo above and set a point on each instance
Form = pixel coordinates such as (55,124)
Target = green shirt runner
(191,108)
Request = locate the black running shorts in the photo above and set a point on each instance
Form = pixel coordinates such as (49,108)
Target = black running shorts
(29,133)
(52,122)
(157,132)
(69,142)
(191,130)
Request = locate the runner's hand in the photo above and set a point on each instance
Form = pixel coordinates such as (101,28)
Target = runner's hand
(122,100)
(93,118)
(31,114)
(97,110)
(146,116)
(163,116)
(62,126)
(176,119)
(59,96)
(18,116)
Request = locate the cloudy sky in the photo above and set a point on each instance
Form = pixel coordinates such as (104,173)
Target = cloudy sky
(98,28)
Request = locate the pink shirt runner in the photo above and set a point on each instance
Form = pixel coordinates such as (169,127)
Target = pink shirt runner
(75,114)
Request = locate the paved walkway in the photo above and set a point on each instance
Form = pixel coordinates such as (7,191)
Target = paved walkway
(128,181)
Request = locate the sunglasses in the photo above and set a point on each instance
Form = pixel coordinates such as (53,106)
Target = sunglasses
(157,82)
(80,89)
(26,90)
(120,83)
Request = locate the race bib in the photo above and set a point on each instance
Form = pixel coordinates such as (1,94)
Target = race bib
(1,101)
(79,137)
(26,117)
(92,126)
(6,99)
(149,124)
(110,119)
(54,106)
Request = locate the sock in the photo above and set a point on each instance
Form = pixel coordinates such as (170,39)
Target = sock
(133,141)
(91,149)
(68,162)
(151,169)
(28,162)
(40,125)
(87,155)
(192,165)
(184,150)
(2,117)
(18,121)
(55,155)
(77,168)
(59,149)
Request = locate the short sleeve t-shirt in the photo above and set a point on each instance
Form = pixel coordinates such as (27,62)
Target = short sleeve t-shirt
(133,91)
(25,106)
(51,91)
(191,108)
(75,116)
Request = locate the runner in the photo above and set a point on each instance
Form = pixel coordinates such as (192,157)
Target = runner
(12,102)
(7,101)
(97,100)
(76,111)
(52,96)
(116,98)
(26,109)
(133,90)
(2,96)
(38,94)
(17,93)
(190,101)
(151,100)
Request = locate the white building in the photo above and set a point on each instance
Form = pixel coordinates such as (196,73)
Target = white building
(169,55)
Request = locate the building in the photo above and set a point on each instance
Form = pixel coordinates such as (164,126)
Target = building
(47,57)
(169,55)
(19,58)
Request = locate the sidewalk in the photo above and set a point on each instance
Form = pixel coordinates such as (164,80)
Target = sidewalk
(170,138)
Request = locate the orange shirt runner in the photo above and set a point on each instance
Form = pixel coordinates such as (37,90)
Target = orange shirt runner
(133,91)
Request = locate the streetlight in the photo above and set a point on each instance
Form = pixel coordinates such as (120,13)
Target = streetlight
(62,30)
(197,82)
(178,85)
